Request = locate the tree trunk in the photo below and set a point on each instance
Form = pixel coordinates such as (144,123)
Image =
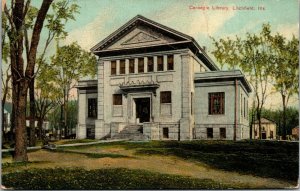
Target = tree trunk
(258,115)
(284,130)
(32,139)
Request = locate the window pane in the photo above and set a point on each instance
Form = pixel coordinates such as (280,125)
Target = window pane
(150,64)
(216,103)
(165,132)
(222,133)
(117,99)
(122,66)
(170,62)
(131,66)
(92,107)
(113,67)
(209,132)
(141,65)
(160,63)
(165,97)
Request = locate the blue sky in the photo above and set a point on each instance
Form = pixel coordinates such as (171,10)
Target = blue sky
(99,18)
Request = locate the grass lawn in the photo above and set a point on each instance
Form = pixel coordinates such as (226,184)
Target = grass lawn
(158,164)
(118,178)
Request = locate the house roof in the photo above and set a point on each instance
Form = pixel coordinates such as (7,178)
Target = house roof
(218,76)
(264,121)
(182,40)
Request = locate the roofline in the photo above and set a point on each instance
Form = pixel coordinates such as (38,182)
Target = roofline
(234,75)
(173,31)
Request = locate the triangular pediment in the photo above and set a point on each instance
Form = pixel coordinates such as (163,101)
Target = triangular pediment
(141,37)
(140,32)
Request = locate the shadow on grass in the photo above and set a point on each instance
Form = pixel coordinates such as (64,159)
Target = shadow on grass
(119,178)
(266,159)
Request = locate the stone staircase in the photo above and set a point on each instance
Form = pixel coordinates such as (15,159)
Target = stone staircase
(131,132)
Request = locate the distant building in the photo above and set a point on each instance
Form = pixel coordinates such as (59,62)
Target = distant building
(295,132)
(7,116)
(160,82)
(268,129)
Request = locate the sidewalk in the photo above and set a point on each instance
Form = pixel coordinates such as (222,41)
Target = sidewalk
(68,145)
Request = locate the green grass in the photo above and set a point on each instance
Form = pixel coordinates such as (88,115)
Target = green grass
(266,159)
(261,158)
(91,155)
(18,164)
(72,141)
(119,178)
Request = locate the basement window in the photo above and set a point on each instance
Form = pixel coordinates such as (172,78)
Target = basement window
(165,132)
(222,133)
(209,132)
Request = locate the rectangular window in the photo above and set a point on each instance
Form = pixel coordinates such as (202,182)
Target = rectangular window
(209,132)
(150,64)
(131,66)
(222,133)
(113,67)
(117,99)
(216,103)
(92,107)
(241,105)
(170,62)
(122,66)
(165,97)
(141,65)
(165,132)
(160,63)
(271,134)
(244,108)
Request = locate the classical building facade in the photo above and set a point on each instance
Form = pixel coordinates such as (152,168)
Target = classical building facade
(160,80)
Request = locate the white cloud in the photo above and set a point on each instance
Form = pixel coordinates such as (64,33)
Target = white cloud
(92,33)
(288,30)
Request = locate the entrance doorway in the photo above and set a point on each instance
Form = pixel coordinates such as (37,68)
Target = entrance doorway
(263,135)
(142,109)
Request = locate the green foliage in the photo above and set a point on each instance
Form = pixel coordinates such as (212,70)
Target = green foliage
(292,119)
(118,178)
(55,114)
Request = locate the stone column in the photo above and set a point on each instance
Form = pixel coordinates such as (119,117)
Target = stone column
(99,123)
(185,121)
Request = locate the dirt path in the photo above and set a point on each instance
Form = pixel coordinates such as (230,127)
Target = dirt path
(162,164)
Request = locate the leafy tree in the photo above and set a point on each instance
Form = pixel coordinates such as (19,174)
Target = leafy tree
(292,119)
(71,63)
(5,59)
(21,72)
(47,94)
(61,12)
(55,115)
(285,73)
(254,56)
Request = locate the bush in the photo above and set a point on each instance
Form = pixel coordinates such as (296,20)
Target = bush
(118,178)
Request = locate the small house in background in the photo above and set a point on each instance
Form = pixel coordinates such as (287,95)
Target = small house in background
(268,129)
(295,132)
(7,116)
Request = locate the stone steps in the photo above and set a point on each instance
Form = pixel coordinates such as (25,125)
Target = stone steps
(131,132)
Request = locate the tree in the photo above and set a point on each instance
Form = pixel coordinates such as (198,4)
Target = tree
(47,94)
(285,73)
(61,12)
(253,55)
(5,58)
(22,73)
(71,63)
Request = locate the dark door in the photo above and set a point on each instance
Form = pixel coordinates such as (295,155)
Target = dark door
(263,135)
(143,109)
